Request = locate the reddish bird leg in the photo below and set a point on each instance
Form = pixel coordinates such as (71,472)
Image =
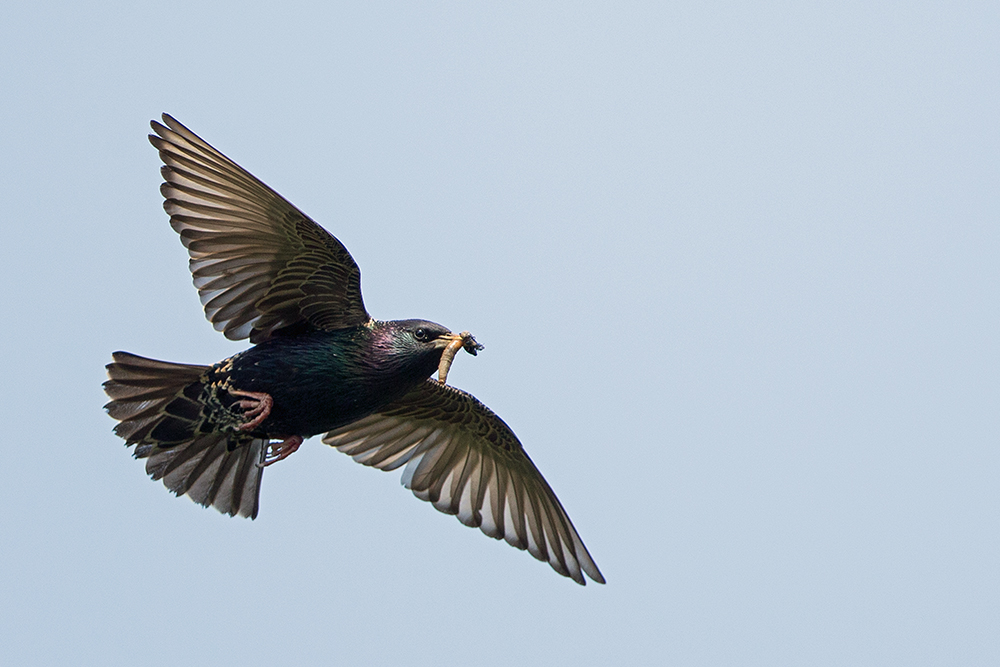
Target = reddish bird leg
(257,405)
(282,450)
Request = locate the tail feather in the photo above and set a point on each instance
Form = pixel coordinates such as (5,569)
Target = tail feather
(211,474)
(161,411)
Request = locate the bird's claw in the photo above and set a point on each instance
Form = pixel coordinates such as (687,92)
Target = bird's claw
(256,404)
(281,450)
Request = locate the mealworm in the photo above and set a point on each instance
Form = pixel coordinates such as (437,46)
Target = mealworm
(447,357)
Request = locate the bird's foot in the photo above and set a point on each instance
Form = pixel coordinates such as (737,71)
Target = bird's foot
(281,450)
(256,405)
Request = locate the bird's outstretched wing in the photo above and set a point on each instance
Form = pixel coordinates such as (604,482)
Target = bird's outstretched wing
(466,461)
(260,264)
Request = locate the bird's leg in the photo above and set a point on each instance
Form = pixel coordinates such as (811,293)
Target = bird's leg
(282,450)
(257,405)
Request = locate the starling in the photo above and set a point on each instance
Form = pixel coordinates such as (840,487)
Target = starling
(319,364)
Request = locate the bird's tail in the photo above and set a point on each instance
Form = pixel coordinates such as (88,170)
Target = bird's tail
(161,409)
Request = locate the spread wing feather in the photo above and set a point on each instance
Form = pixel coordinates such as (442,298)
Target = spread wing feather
(463,459)
(260,265)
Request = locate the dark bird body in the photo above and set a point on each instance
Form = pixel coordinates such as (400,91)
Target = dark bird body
(319,364)
(326,379)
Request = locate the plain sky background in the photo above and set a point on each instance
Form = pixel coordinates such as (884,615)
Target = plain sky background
(736,266)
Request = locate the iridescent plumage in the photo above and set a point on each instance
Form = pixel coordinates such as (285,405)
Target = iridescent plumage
(320,364)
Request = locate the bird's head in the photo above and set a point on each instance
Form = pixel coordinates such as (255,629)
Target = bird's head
(424,346)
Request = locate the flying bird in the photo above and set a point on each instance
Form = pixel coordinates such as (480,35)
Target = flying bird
(320,364)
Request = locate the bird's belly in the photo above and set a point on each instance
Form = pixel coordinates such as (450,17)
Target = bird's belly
(298,411)
(309,397)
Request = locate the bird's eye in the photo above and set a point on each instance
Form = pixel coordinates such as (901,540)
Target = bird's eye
(421,334)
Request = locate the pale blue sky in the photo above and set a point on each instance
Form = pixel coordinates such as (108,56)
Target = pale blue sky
(735,266)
